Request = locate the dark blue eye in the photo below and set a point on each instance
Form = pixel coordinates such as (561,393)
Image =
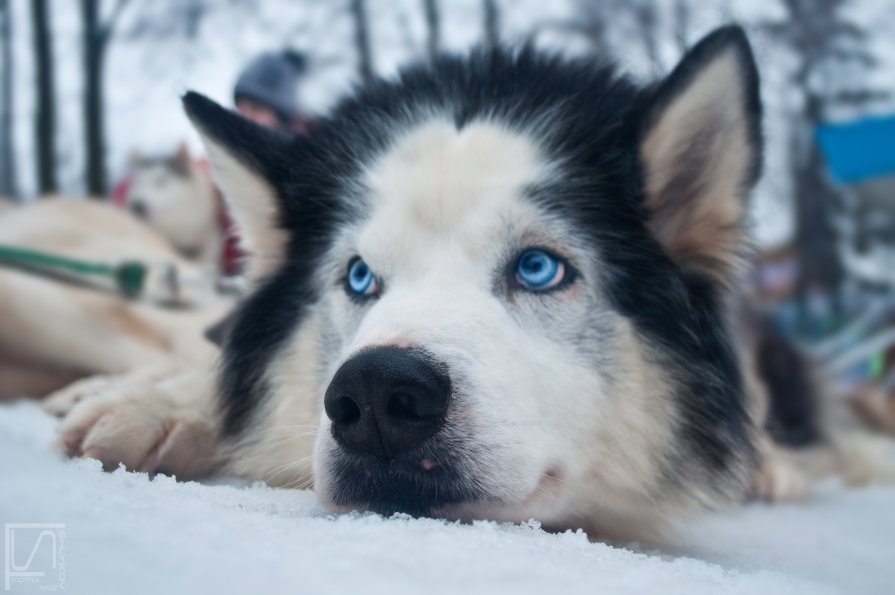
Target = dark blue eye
(361,280)
(538,270)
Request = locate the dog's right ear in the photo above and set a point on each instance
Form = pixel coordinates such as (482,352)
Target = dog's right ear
(250,165)
(701,154)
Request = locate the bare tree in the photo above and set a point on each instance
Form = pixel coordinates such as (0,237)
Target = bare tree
(828,48)
(8,186)
(433,28)
(45,116)
(362,40)
(681,19)
(590,23)
(491,23)
(593,21)
(645,13)
(169,29)
(97,35)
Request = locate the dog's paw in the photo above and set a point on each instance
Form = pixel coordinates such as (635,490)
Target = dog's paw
(778,480)
(140,427)
(875,407)
(61,402)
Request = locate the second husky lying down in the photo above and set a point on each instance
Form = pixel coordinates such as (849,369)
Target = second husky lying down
(53,333)
(495,288)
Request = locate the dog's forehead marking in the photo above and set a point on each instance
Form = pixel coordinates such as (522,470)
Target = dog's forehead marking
(441,177)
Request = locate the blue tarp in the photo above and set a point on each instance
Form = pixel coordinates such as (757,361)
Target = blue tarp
(859,150)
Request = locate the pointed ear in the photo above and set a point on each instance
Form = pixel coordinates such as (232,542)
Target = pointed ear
(182,160)
(249,164)
(701,154)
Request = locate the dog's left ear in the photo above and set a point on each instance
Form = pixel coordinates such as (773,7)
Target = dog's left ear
(182,161)
(250,164)
(701,154)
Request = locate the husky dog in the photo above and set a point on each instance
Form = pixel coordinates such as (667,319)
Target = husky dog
(174,195)
(496,287)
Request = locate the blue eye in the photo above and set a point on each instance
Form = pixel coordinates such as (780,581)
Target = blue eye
(538,270)
(361,280)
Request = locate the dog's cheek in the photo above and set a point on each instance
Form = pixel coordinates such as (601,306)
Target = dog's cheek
(532,401)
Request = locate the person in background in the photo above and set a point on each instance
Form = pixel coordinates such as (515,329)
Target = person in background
(267,91)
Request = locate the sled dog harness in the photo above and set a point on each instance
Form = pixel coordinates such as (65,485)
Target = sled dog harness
(125,280)
(128,277)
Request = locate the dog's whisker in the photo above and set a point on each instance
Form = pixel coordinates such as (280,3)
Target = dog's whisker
(291,465)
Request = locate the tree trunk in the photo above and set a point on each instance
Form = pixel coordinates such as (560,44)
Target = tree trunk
(491,23)
(820,265)
(45,123)
(362,40)
(681,11)
(645,14)
(94,134)
(8,184)
(433,25)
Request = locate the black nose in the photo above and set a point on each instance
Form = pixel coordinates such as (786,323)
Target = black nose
(387,400)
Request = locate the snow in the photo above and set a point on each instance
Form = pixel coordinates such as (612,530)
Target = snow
(127,533)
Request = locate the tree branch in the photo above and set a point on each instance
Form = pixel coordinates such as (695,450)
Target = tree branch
(108,28)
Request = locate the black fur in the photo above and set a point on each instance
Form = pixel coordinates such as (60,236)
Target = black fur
(590,120)
(401,485)
(308,183)
(793,407)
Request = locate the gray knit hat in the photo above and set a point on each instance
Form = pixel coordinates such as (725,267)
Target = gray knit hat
(272,80)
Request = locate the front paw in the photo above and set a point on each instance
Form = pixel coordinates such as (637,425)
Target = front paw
(61,402)
(140,427)
(777,480)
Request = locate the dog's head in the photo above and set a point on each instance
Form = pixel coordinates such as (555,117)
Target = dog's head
(510,274)
(173,196)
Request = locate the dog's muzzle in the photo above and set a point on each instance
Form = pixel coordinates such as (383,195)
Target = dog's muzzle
(388,406)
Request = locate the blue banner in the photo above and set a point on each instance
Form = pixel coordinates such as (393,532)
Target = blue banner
(858,150)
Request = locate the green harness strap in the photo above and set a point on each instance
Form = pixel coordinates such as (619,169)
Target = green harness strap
(128,277)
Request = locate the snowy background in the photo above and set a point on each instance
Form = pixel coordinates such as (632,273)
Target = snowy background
(160,48)
(125,533)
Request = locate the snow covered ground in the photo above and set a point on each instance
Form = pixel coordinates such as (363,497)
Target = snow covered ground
(125,533)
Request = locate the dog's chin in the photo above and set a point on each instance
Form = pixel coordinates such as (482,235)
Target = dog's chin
(420,487)
(541,503)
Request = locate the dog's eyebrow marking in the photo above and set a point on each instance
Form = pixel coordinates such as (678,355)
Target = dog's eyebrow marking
(440,176)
